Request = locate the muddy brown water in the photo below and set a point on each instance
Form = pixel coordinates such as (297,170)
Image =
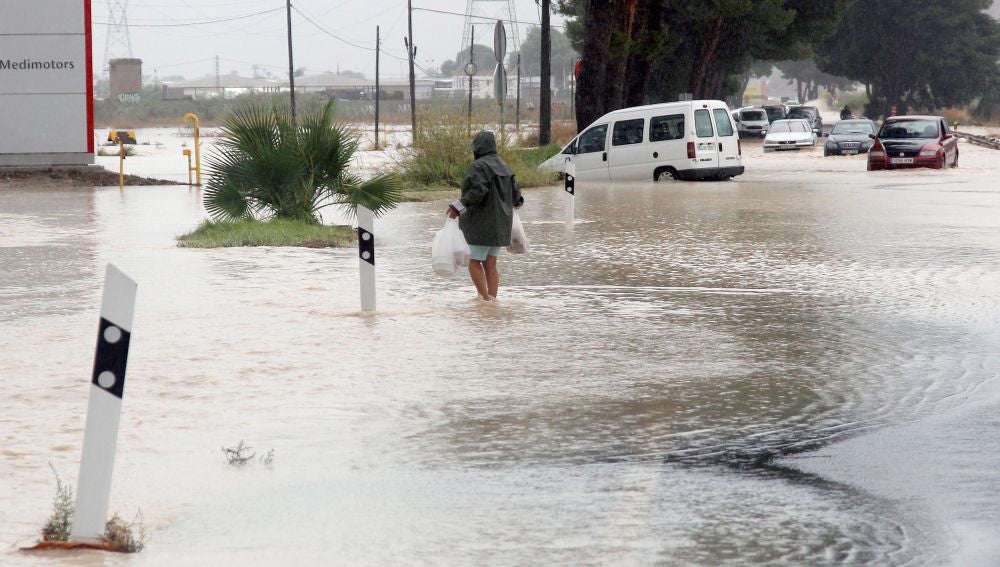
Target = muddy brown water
(640,394)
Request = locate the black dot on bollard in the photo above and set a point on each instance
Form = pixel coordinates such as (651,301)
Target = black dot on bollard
(111,358)
(366,246)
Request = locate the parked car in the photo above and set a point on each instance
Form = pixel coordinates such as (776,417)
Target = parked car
(810,113)
(790,134)
(775,112)
(913,141)
(751,122)
(673,140)
(849,137)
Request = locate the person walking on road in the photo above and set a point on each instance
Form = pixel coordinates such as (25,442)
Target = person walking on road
(485,212)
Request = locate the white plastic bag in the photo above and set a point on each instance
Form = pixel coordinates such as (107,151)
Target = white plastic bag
(449,251)
(518,239)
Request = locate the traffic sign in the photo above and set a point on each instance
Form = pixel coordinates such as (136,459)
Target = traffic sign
(500,83)
(499,41)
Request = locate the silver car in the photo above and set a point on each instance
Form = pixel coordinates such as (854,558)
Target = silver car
(790,134)
(751,122)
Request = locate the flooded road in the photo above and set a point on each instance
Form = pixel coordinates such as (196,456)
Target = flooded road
(690,374)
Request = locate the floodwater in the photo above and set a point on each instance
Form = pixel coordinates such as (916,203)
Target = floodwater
(795,367)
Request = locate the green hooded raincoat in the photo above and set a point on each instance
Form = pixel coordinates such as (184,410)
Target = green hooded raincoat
(489,195)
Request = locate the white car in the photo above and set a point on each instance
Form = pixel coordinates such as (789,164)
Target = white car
(789,134)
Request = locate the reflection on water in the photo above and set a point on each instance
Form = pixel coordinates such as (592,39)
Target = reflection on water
(621,404)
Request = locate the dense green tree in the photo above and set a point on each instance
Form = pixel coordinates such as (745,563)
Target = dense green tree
(915,55)
(657,49)
(267,165)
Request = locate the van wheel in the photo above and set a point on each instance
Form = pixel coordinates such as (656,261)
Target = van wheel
(665,174)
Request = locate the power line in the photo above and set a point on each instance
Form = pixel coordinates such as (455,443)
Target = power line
(464,15)
(331,34)
(206,22)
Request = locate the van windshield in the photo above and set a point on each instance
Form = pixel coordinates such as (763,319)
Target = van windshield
(753,115)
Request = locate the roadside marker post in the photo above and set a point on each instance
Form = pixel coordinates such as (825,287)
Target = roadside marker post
(107,386)
(366,257)
(569,187)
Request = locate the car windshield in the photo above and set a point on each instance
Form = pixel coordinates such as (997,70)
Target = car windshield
(774,113)
(800,113)
(903,129)
(782,126)
(751,115)
(853,128)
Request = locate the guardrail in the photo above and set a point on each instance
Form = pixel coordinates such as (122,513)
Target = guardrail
(992,143)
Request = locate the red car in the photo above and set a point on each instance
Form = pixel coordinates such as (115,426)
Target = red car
(913,141)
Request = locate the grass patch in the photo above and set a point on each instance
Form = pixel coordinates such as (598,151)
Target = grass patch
(442,154)
(278,232)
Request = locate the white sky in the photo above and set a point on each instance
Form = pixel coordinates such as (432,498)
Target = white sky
(162,35)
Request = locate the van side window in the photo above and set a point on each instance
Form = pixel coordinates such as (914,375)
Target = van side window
(627,132)
(722,123)
(593,140)
(666,127)
(570,148)
(703,124)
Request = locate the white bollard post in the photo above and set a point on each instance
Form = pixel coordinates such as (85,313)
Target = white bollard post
(569,187)
(107,385)
(366,257)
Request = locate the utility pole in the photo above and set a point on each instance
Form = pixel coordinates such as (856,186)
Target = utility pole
(545,86)
(378,48)
(291,66)
(411,52)
(470,70)
(517,90)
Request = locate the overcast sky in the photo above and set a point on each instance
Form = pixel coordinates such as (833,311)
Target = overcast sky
(172,37)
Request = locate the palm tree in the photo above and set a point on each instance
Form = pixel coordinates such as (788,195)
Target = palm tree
(265,165)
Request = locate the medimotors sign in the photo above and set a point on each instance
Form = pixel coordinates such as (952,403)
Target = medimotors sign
(46,87)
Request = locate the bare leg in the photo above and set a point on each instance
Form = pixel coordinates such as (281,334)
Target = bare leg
(492,276)
(478,276)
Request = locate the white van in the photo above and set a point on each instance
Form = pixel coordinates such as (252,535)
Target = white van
(672,140)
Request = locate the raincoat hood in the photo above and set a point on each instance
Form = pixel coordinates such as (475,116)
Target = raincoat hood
(483,144)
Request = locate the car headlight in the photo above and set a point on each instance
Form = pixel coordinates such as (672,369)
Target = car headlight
(928,153)
(831,144)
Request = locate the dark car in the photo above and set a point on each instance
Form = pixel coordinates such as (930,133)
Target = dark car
(775,112)
(913,141)
(810,113)
(850,137)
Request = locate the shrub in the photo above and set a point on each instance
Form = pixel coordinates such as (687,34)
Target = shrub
(57,527)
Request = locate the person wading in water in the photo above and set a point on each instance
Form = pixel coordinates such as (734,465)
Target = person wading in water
(485,212)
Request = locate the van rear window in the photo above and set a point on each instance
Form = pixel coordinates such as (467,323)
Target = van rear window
(722,122)
(666,127)
(703,124)
(627,132)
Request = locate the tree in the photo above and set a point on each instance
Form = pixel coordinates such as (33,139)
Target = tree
(482,56)
(563,54)
(808,78)
(915,55)
(268,166)
(704,48)
(545,80)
